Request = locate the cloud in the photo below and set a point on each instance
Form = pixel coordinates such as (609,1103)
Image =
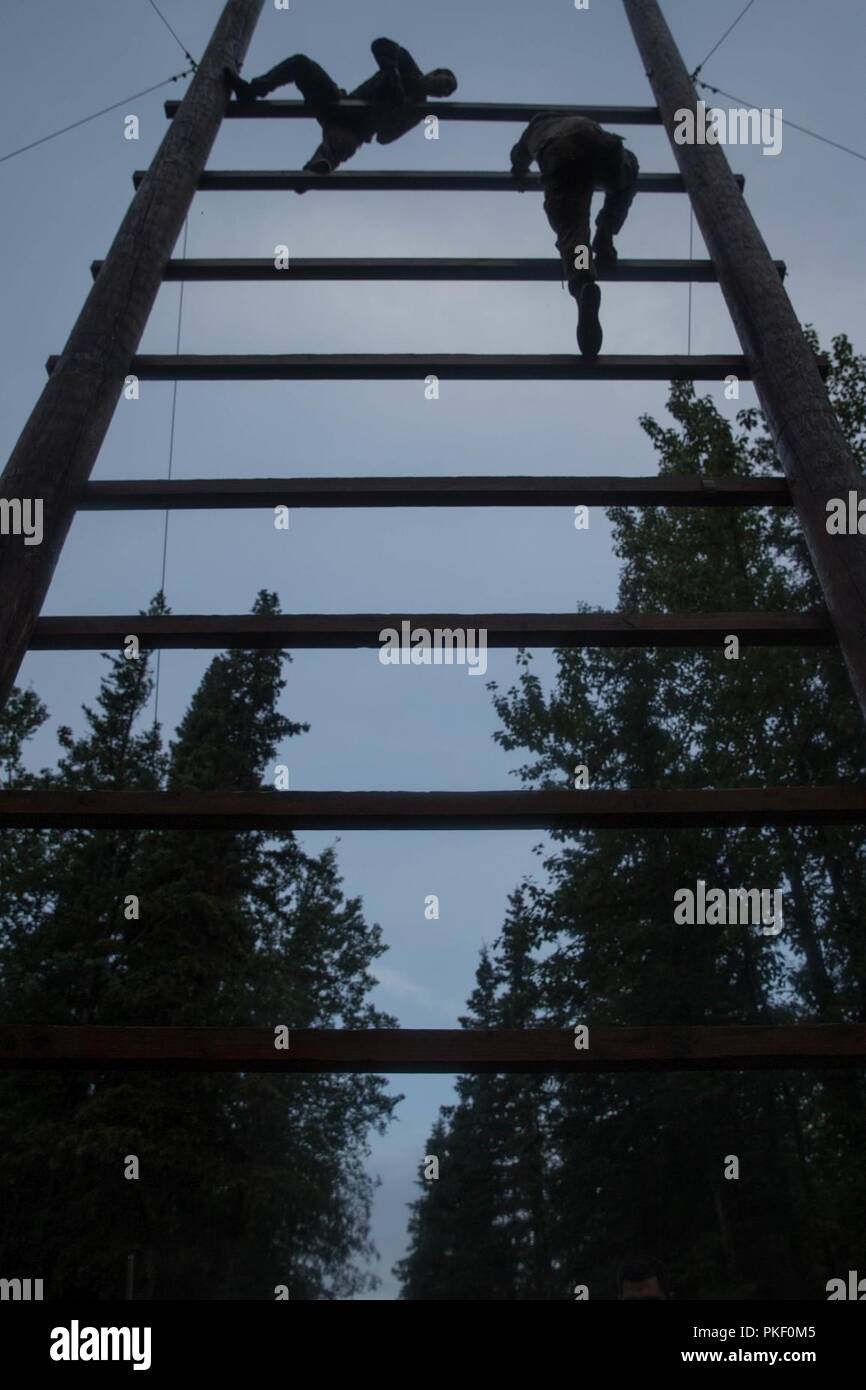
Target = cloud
(396,983)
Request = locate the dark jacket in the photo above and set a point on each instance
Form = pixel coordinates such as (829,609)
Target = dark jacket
(393,93)
(576,134)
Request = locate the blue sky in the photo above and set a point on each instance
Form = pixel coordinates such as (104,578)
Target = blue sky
(410,728)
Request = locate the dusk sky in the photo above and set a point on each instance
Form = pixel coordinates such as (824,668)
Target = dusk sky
(372,726)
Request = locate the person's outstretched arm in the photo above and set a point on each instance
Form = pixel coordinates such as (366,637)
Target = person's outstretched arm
(521,159)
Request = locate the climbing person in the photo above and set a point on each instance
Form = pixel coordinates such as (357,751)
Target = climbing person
(392,94)
(575,155)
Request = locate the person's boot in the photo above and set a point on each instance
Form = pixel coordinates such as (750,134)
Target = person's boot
(603,248)
(243,91)
(589,335)
(319,164)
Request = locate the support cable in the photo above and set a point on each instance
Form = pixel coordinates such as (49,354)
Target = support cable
(691,246)
(177,40)
(793,124)
(75,124)
(170,464)
(729,30)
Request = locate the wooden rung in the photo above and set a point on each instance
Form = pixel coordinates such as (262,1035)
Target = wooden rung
(439,268)
(640,809)
(408,366)
(666,490)
(297,631)
(397,180)
(445,110)
(393,1050)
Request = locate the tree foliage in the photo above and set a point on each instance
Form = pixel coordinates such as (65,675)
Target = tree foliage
(580,1172)
(247,1181)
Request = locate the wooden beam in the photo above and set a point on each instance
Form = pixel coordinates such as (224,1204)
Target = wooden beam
(665,490)
(394,181)
(449,366)
(298,631)
(445,110)
(641,809)
(439,268)
(60,441)
(807,435)
(449,1050)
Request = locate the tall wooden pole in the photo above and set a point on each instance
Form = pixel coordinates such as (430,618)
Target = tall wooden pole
(807,436)
(61,440)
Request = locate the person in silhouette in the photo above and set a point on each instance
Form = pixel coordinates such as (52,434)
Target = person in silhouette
(638,1278)
(575,155)
(392,94)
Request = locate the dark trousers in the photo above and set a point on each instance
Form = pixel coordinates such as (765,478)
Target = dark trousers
(320,90)
(313,83)
(340,137)
(571,169)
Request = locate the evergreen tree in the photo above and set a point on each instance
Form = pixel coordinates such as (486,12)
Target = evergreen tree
(640,1164)
(247,1181)
(480,1230)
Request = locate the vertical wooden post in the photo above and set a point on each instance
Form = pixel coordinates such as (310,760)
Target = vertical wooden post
(61,440)
(807,436)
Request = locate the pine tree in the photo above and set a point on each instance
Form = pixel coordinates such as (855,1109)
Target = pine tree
(479,1231)
(642,1165)
(460,1248)
(246,1182)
